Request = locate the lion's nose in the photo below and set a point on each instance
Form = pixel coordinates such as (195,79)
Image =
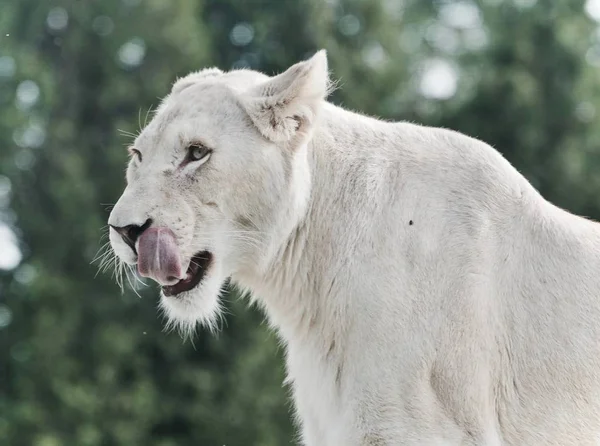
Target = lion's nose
(131,233)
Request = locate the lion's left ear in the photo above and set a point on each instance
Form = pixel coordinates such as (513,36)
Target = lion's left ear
(288,103)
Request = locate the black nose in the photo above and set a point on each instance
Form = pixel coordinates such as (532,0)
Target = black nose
(130,233)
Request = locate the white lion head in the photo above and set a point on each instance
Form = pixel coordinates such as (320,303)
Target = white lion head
(216,182)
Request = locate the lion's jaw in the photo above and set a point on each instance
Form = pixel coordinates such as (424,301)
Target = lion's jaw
(234,204)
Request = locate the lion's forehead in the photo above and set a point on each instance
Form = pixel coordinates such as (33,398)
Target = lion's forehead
(209,102)
(176,120)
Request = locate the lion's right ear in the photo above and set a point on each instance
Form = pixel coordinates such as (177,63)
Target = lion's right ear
(289,102)
(184,82)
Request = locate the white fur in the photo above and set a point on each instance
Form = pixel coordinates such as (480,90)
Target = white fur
(425,292)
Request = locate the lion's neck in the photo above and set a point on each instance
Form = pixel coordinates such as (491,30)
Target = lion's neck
(303,291)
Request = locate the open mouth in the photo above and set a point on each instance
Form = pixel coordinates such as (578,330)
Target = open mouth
(194,275)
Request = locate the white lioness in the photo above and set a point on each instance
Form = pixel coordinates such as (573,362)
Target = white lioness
(426,293)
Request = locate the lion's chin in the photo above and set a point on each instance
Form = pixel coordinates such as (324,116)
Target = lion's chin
(198,306)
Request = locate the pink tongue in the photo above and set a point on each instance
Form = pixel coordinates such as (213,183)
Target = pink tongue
(158,256)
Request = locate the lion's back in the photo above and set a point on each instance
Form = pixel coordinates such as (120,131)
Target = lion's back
(498,287)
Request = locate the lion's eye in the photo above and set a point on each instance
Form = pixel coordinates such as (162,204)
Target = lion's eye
(198,152)
(136,153)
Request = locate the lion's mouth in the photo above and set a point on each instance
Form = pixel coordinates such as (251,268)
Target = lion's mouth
(199,265)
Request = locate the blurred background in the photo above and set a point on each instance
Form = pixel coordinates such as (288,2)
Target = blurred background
(82,363)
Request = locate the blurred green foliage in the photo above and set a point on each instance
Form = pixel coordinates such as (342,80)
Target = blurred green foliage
(83,364)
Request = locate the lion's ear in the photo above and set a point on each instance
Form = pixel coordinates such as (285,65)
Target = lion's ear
(289,102)
(184,82)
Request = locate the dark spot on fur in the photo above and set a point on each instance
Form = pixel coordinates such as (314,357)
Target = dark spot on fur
(338,376)
(331,347)
(410,223)
(245,222)
(298,121)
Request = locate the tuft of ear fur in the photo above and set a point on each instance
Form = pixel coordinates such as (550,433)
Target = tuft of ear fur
(289,102)
(184,82)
